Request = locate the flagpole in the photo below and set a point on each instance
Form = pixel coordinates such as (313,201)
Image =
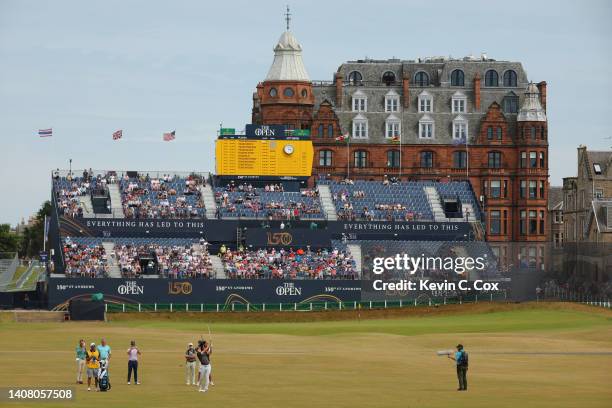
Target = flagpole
(467,158)
(348,158)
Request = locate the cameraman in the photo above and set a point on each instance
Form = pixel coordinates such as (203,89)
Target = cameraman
(203,352)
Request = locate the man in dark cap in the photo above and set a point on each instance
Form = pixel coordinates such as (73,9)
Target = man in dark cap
(461,358)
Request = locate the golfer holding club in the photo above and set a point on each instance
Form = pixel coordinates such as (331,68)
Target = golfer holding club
(461,358)
(203,353)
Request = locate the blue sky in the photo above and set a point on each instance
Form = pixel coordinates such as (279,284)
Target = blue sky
(88,68)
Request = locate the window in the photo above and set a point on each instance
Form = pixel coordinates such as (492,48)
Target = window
(542,160)
(495,188)
(273,92)
(523,163)
(457,78)
(558,217)
(360,127)
(460,159)
(360,102)
(393,158)
(427,159)
(542,188)
(510,103)
(523,223)
(320,131)
(534,132)
(325,158)
(499,133)
(388,78)
(495,222)
(392,127)
(460,128)
(288,92)
(355,78)
(421,79)
(533,222)
(510,78)
(490,133)
(599,193)
(425,102)
(391,102)
(533,189)
(361,158)
(597,168)
(541,221)
(523,191)
(495,160)
(330,130)
(458,102)
(491,78)
(533,159)
(426,127)
(304,93)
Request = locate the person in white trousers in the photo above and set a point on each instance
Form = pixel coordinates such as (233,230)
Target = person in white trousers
(203,353)
(81,355)
(190,365)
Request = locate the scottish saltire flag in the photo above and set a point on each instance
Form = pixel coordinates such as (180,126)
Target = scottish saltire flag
(459,141)
(45,132)
(170,136)
(118,134)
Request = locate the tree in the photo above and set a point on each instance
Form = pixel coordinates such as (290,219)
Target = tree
(9,240)
(33,235)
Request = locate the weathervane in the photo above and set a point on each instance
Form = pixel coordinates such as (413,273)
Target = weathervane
(288,17)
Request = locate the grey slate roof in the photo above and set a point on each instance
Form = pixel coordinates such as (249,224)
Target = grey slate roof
(555,198)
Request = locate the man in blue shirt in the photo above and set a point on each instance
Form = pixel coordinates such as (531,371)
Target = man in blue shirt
(461,358)
(105,351)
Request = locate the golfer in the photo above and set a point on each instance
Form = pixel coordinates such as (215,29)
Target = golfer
(105,352)
(133,353)
(190,365)
(461,358)
(81,356)
(203,353)
(93,365)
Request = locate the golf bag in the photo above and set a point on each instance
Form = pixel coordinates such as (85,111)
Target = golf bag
(103,381)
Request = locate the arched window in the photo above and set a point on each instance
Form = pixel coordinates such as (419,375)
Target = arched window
(457,78)
(355,78)
(495,160)
(388,78)
(427,159)
(393,158)
(491,78)
(330,130)
(361,158)
(510,78)
(321,130)
(421,79)
(325,158)
(459,159)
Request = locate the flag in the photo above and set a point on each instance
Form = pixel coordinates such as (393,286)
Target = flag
(396,139)
(342,138)
(459,141)
(118,134)
(45,132)
(170,136)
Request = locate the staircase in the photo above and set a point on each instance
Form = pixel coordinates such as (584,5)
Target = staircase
(434,202)
(115,197)
(87,206)
(208,196)
(355,250)
(114,270)
(218,269)
(329,209)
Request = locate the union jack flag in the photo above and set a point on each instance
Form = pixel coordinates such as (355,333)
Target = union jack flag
(170,136)
(45,132)
(118,134)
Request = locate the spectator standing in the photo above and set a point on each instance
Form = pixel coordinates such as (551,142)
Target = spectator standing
(190,365)
(81,357)
(133,353)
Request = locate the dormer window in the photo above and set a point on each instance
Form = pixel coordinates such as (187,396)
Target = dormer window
(597,168)
(355,78)
(360,102)
(391,101)
(393,127)
(425,102)
(426,127)
(457,78)
(460,128)
(388,78)
(360,127)
(421,79)
(459,102)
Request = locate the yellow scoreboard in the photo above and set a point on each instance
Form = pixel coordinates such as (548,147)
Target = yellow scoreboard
(261,157)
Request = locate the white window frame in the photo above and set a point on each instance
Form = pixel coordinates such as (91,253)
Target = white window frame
(425,99)
(360,127)
(360,102)
(460,128)
(391,101)
(459,103)
(427,128)
(393,127)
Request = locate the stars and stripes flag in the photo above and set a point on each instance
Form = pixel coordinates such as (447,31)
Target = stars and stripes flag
(45,132)
(170,136)
(118,134)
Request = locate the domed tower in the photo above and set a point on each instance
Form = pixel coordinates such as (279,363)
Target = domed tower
(532,167)
(285,97)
